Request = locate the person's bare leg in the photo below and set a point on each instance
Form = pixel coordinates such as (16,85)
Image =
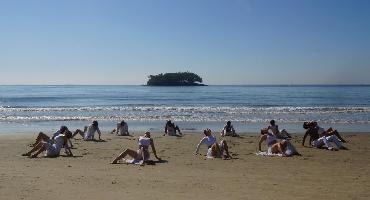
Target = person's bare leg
(41,137)
(143,155)
(35,148)
(335,132)
(178,129)
(42,148)
(78,131)
(126,152)
(226,148)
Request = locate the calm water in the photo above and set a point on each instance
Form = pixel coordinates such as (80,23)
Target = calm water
(25,109)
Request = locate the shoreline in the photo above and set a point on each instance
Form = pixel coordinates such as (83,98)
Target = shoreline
(158,126)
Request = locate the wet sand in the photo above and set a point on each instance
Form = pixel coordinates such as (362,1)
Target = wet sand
(318,174)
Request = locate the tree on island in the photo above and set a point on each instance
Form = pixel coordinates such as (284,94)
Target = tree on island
(175,79)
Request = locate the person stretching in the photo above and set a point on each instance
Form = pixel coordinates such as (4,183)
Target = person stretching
(52,148)
(142,154)
(215,150)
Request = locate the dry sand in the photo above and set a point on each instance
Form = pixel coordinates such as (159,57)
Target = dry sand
(318,174)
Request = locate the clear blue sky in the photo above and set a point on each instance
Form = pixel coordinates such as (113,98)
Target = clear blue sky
(224,41)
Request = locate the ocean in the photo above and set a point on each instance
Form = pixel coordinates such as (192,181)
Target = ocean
(30,109)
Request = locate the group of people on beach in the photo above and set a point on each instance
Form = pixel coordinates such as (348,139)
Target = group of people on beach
(278,141)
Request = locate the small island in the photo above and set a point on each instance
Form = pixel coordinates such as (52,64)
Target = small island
(175,79)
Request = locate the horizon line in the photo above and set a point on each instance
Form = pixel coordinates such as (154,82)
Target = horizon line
(271,85)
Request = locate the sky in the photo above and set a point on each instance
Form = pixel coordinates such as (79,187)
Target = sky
(226,42)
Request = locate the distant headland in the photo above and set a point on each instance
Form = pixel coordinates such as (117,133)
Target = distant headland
(175,79)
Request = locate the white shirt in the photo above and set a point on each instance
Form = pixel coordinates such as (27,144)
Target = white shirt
(56,134)
(208,140)
(58,142)
(122,129)
(231,129)
(274,129)
(144,141)
(89,135)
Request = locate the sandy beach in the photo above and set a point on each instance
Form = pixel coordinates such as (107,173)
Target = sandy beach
(318,174)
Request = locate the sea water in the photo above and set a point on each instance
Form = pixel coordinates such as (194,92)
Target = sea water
(30,109)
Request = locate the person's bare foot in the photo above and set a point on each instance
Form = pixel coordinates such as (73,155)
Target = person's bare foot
(332,149)
(114,162)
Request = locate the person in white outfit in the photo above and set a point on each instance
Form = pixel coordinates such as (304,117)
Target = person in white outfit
(330,131)
(284,147)
(280,134)
(122,129)
(88,133)
(142,154)
(170,129)
(228,130)
(42,137)
(319,141)
(52,147)
(215,150)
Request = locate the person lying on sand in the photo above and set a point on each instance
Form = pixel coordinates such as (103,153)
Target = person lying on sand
(228,130)
(122,129)
(142,154)
(88,133)
(215,150)
(170,129)
(42,137)
(52,147)
(280,134)
(328,132)
(319,141)
(274,146)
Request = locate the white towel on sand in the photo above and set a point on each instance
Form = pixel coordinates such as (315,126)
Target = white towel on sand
(133,161)
(265,153)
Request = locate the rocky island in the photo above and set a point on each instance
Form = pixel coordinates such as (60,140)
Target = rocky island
(175,79)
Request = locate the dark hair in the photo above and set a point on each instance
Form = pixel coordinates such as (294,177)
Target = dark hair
(68,134)
(122,122)
(272,122)
(95,123)
(206,131)
(305,125)
(63,129)
(228,123)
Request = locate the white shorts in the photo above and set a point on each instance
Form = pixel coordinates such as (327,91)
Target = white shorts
(139,157)
(209,152)
(51,150)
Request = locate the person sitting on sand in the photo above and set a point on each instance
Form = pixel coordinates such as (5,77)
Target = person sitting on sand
(88,133)
(328,132)
(215,150)
(170,129)
(122,129)
(319,141)
(142,154)
(274,146)
(52,147)
(228,130)
(42,137)
(280,134)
